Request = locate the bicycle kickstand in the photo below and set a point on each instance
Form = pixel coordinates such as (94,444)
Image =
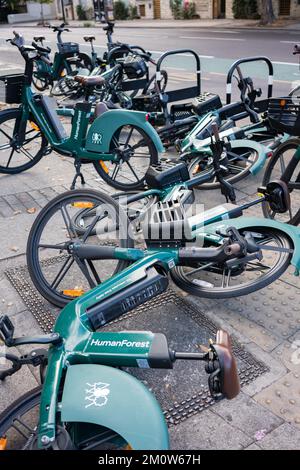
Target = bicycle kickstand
(78,174)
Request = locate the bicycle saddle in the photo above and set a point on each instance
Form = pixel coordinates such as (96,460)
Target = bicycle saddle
(160,177)
(39,38)
(90,81)
(89,38)
(228,376)
(104,106)
(44,50)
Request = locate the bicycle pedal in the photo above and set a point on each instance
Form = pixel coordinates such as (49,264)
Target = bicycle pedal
(6,330)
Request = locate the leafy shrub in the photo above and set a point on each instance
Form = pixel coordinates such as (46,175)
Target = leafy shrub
(245,9)
(121,10)
(81,13)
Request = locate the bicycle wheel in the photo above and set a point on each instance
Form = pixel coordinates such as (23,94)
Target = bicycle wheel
(19,424)
(135,153)
(65,86)
(134,210)
(57,273)
(150,87)
(40,82)
(281,159)
(216,281)
(14,158)
(238,163)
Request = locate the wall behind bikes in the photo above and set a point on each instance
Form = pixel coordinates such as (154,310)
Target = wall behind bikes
(33,13)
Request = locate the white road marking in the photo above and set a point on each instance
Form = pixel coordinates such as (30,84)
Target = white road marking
(212,38)
(285,63)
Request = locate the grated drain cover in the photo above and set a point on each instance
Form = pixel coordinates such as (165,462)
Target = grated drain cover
(182,392)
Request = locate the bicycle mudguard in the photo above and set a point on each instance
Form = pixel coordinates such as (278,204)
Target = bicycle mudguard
(243,222)
(114,399)
(262,151)
(101,131)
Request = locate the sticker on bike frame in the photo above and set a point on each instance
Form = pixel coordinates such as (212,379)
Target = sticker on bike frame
(97,394)
(143,363)
(97,138)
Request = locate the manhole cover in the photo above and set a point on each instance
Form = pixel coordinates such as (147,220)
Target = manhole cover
(181,392)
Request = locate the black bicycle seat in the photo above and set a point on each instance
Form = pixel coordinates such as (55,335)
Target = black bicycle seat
(90,81)
(44,50)
(89,38)
(159,177)
(39,38)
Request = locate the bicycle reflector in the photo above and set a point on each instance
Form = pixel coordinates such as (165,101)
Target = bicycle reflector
(104,167)
(73,292)
(3,443)
(34,126)
(83,204)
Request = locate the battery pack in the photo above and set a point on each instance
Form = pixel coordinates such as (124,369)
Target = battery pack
(154,283)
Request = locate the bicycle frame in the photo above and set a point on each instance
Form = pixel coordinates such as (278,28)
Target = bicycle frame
(81,346)
(82,143)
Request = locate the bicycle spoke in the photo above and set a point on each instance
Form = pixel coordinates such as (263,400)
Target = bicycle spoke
(133,172)
(67,220)
(115,171)
(93,269)
(59,246)
(282,164)
(201,268)
(6,135)
(26,153)
(128,137)
(10,157)
(62,272)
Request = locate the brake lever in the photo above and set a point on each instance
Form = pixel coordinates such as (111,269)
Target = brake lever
(37,357)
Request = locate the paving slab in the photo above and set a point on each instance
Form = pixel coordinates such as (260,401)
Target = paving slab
(283,398)
(248,416)
(208,431)
(285,437)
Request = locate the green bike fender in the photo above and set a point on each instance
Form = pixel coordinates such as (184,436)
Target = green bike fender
(112,398)
(262,151)
(101,131)
(242,222)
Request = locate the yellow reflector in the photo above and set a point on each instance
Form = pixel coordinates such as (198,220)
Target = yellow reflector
(63,73)
(83,205)
(3,443)
(73,292)
(127,447)
(34,126)
(282,103)
(104,166)
(260,195)
(196,169)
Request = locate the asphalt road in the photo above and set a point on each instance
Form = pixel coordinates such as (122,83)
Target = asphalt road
(217,49)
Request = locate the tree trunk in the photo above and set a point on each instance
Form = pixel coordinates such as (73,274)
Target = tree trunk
(267,12)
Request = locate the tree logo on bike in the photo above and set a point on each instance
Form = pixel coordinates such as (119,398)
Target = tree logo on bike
(97,394)
(97,138)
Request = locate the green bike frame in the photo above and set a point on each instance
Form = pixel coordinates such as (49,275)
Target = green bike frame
(82,358)
(194,147)
(75,359)
(84,143)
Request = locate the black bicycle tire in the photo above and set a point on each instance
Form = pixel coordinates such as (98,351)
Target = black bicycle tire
(19,169)
(289,144)
(131,186)
(234,179)
(34,269)
(180,281)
